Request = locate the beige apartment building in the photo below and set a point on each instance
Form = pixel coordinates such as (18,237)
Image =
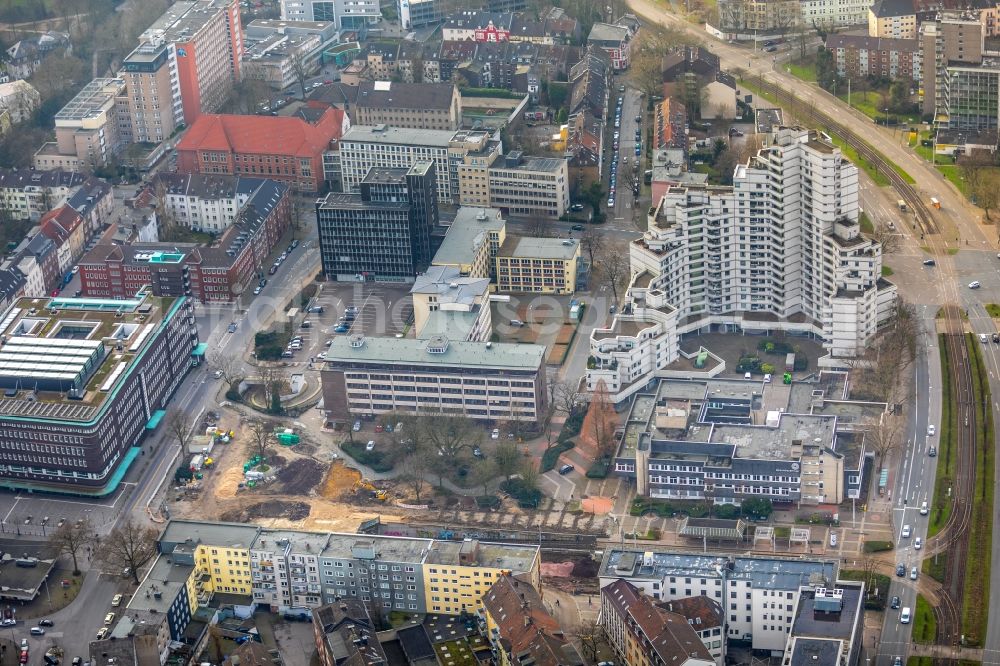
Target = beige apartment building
(522,185)
(87,133)
(472,242)
(472,155)
(537,265)
(894,19)
(954,39)
(150,108)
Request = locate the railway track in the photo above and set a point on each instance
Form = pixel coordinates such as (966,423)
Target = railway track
(817,118)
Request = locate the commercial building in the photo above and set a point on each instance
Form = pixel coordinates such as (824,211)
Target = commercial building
(810,270)
(537,265)
(759,594)
(207,39)
(346,14)
(704,439)
(521,630)
(287,149)
(82,379)
(384,232)
(220,273)
(363,147)
(828,625)
(87,133)
(471,155)
(471,243)
(449,304)
(522,185)
(150,108)
(278,59)
(954,39)
(893,19)
(428,106)
(858,56)
(486,381)
(640,632)
(970,97)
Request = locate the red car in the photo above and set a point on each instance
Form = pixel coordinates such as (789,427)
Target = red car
(328,82)
(55,292)
(379,427)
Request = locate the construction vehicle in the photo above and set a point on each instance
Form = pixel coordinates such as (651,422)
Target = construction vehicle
(377,493)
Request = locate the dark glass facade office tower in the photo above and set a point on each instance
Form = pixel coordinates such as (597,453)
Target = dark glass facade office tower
(382,233)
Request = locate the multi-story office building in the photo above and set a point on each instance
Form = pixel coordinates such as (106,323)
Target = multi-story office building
(220,273)
(450,304)
(346,14)
(471,155)
(289,149)
(384,232)
(363,147)
(150,108)
(641,632)
(537,265)
(472,241)
(208,42)
(704,440)
(278,58)
(759,594)
(87,129)
(970,97)
(954,40)
(82,379)
(779,250)
(522,185)
(894,19)
(426,106)
(480,380)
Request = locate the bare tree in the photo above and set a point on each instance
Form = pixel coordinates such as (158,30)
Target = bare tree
(272,378)
(600,422)
(129,546)
(70,538)
(647,68)
(614,268)
(417,466)
(483,473)
(889,239)
(262,437)
(592,639)
(879,370)
(590,242)
(507,460)
(300,69)
(181,428)
(229,366)
(883,434)
(564,395)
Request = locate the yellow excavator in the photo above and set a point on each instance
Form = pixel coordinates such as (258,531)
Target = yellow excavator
(377,493)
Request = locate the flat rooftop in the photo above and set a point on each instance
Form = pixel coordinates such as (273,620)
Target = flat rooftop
(160,586)
(517,558)
(229,535)
(815,652)
(397,135)
(470,229)
(346,351)
(776,573)
(184,19)
(829,612)
(296,540)
(93,99)
(538,248)
(769,443)
(23,583)
(61,357)
(388,549)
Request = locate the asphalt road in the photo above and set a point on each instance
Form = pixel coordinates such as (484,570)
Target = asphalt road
(621,214)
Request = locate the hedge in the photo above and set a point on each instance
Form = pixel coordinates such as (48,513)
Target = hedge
(877,546)
(551,455)
(527,497)
(488,502)
(573,424)
(600,468)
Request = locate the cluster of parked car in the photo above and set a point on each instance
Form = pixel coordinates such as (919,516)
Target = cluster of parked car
(346,320)
(616,145)
(281,258)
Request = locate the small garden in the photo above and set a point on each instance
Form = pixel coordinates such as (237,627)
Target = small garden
(753,509)
(877,546)
(527,496)
(876,587)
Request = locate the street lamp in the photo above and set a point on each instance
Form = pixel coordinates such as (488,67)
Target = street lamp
(886,116)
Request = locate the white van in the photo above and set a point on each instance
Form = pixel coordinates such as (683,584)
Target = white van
(906,532)
(904,615)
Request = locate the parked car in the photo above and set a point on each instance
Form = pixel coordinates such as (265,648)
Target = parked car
(116,601)
(975,284)
(495,434)
(102,633)
(108,619)
(929,262)
(370,446)
(566,469)
(357,426)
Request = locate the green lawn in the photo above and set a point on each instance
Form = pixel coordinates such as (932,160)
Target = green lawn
(924,622)
(993,309)
(877,176)
(803,70)
(886,271)
(866,223)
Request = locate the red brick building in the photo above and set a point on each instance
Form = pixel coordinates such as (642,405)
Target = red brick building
(219,272)
(288,149)
(858,56)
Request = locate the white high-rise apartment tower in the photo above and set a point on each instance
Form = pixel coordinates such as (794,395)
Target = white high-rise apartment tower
(780,250)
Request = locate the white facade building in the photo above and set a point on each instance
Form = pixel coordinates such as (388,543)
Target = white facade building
(779,250)
(834,13)
(347,14)
(367,146)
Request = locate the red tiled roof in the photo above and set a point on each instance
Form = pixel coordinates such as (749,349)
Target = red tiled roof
(59,223)
(263,135)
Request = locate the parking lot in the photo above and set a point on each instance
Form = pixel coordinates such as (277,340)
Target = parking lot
(24,514)
(382,309)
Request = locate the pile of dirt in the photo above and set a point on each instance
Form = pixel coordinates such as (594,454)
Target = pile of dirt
(339,481)
(586,567)
(299,477)
(277,461)
(273,509)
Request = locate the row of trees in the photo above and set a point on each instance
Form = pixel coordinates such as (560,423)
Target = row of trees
(129,546)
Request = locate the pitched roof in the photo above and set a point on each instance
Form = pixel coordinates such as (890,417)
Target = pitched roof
(59,223)
(263,135)
(668,634)
(349,633)
(396,95)
(888,8)
(867,42)
(700,611)
(525,625)
(608,34)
